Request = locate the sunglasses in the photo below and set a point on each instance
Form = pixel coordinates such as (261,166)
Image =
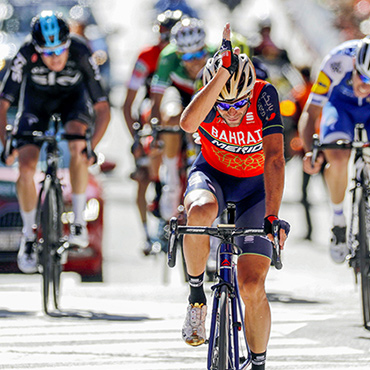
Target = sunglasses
(192,56)
(363,78)
(57,51)
(239,104)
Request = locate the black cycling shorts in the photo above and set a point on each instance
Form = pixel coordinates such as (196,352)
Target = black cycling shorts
(247,193)
(38,108)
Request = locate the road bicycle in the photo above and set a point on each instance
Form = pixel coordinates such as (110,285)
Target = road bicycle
(358,240)
(51,242)
(227,343)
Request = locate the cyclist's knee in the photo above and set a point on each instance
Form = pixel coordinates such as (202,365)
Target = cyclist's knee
(202,212)
(252,288)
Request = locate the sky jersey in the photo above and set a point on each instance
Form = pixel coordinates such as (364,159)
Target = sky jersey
(334,82)
(28,70)
(238,151)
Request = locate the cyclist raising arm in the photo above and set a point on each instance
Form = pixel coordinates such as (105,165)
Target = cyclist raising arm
(340,96)
(53,73)
(242,160)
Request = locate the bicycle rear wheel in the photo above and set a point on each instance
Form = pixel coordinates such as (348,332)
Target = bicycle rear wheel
(364,245)
(51,232)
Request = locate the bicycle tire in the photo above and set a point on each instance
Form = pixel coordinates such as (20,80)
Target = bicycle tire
(364,259)
(57,267)
(224,329)
(51,231)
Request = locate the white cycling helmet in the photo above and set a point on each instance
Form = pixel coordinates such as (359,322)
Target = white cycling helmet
(363,56)
(239,85)
(188,35)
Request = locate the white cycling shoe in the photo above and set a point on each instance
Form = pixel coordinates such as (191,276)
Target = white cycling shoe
(338,244)
(194,329)
(27,258)
(78,235)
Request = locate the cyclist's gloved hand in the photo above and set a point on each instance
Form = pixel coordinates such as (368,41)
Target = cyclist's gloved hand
(268,221)
(230,61)
(93,155)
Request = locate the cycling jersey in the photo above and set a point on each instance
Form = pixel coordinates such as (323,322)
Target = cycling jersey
(172,72)
(27,69)
(42,92)
(335,77)
(145,67)
(238,151)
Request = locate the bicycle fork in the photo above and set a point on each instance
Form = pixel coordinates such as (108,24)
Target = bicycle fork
(227,277)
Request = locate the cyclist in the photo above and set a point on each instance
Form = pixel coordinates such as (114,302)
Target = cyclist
(241,160)
(178,66)
(145,66)
(52,73)
(340,96)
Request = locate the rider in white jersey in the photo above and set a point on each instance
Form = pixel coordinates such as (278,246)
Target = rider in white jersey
(341,97)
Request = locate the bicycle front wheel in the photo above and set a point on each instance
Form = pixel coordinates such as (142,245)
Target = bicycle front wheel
(51,232)
(364,228)
(224,329)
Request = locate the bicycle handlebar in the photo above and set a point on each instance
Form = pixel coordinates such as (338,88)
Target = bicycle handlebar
(223,232)
(358,143)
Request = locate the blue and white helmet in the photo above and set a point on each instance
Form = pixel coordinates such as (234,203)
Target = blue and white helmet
(188,35)
(363,57)
(49,29)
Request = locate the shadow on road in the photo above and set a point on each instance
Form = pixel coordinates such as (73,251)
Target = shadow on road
(284,298)
(89,315)
(6,313)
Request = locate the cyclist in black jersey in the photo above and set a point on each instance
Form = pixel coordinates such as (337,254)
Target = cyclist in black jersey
(53,72)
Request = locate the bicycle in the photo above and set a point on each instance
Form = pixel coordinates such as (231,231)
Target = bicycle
(226,350)
(359,230)
(51,243)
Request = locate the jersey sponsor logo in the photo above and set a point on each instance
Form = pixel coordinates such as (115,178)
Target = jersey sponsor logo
(239,138)
(322,84)
(237,149)
(336,67)
(17,68)
(34,57)
(51,79)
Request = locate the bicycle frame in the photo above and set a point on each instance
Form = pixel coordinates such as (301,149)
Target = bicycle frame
(224,342)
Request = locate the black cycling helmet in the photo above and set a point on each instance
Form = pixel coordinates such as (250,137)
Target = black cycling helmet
(49,29)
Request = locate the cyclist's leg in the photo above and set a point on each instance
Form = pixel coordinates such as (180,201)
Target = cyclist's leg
(76,114)
(28,155)
(337,123)
(253,266)
(202,208)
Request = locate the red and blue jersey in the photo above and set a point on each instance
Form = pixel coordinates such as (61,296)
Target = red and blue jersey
(238,151)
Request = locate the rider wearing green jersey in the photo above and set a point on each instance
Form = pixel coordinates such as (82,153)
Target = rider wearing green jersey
(178,66)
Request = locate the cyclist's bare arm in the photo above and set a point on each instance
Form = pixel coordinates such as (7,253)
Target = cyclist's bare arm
(274,176)
(126,108)
(4,107)
(306,127)
(102,110)
(194,114)
(156,109)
